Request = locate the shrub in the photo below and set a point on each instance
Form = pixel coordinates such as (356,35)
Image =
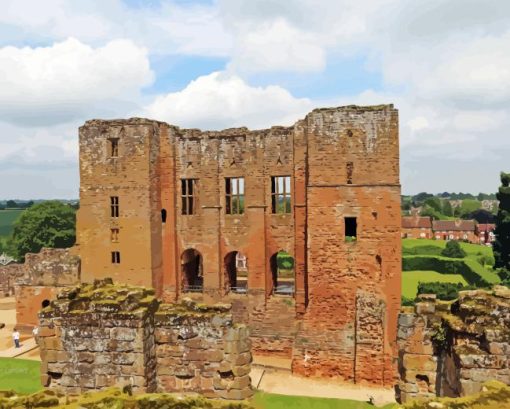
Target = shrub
(407,302)
(453,250)
(472,272)
(443,291)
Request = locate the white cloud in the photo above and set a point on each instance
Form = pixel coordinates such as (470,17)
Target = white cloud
(171,28)
(55,84)
(220,100)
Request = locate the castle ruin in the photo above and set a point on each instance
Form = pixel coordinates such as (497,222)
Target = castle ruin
(297,227)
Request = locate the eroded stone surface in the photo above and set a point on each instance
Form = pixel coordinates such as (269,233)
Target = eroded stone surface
(451,349)
(99,335)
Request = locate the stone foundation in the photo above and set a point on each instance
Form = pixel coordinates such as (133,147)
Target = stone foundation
(99,335)
(451,349)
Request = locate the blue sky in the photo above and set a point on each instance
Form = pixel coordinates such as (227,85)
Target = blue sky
(222,63)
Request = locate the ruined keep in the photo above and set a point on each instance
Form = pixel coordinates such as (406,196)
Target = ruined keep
(451,349)
(209,214)
(99,335)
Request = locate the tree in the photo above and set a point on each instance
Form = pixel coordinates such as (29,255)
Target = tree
(11,204)
(421,197)
(502,244)
(482,216)
(453,250)
(434,202)
(447,208)
(46,224)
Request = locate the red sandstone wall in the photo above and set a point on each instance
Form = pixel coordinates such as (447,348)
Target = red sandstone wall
(29,301)
(133,177)
(338,270)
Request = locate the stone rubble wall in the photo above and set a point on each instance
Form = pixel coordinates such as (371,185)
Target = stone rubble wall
(451,349)
(39,278)
(99,335)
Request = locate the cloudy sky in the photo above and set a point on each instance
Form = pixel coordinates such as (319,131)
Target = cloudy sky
(212,64)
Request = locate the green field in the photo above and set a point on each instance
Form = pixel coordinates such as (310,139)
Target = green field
(410,280)
(431,249)
(7,218)
(20,375)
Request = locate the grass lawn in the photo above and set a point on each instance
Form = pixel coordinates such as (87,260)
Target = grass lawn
(20,375)
(410,280)
(7,218)
(271,401)
(472,250)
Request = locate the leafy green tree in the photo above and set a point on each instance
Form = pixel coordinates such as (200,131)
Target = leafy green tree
(453,250)
(434,202)
(421,197)
(447,208)
(46,224)
(502,244)
(11,204)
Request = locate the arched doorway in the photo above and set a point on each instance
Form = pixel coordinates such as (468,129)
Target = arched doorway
(282,271)
(192,271)
(236,272)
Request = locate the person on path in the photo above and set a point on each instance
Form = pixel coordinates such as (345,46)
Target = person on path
(15,337)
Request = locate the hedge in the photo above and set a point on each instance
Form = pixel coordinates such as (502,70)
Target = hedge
(472,272)
(425,250)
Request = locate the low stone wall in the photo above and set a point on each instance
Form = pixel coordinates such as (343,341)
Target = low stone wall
(451,349)
(99,335)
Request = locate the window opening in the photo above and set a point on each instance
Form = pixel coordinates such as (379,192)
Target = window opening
(351,227)
(188,194)
(280,194)
(283,274)
(115,257)
(234,195)
(114,147)
(114,206)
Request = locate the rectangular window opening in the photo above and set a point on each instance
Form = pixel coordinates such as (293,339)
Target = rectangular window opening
(114,147)
(188,196)
(234,195)
(115,257)
(351,229)
(280,194)
(114,206)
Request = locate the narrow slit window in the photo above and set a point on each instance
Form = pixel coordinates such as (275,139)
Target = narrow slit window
(114,147)
(350,170)
(280,194)
(114,206)
(234,195)
(351,229)
(114,235)
(115,257)
(188,196)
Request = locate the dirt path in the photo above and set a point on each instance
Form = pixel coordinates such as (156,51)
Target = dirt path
(284,383)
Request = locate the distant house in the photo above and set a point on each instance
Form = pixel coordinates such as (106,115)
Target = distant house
(486,233)
(417,227)
(455,230)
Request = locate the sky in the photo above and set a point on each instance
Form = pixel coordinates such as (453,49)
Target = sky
(215,64)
